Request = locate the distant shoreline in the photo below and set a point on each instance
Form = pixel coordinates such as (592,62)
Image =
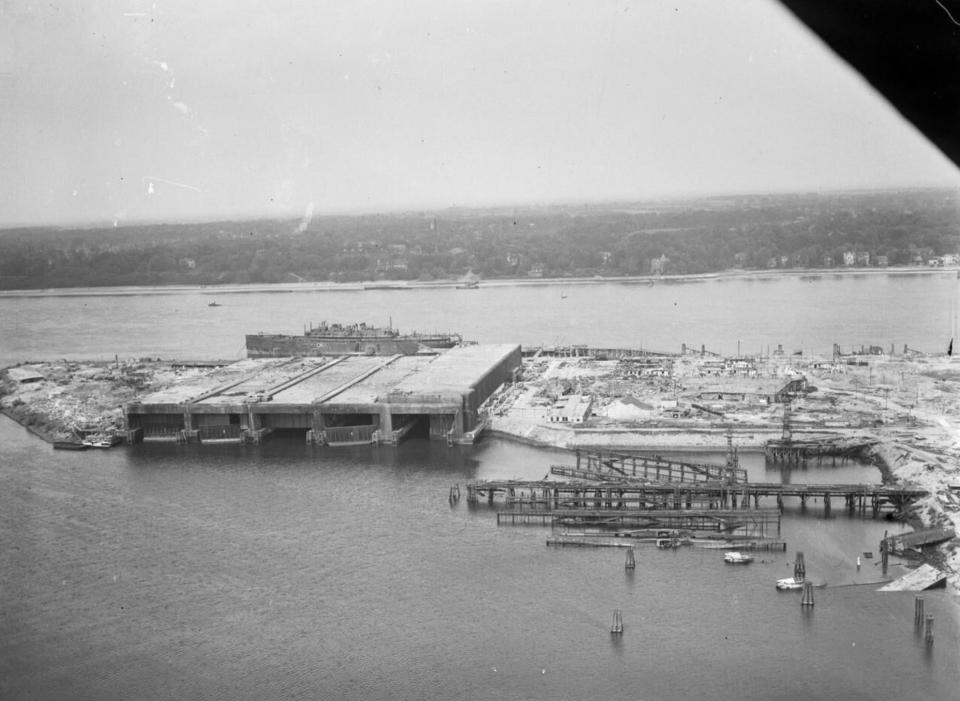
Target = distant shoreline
(381,285)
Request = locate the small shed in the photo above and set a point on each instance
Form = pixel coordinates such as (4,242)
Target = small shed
(573,408)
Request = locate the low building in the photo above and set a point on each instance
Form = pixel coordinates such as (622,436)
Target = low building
(573,409)
(352,398)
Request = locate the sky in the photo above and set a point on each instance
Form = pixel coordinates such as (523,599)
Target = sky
(125,111)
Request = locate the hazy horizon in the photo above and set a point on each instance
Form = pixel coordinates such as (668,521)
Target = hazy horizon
(170,112)
(478,207)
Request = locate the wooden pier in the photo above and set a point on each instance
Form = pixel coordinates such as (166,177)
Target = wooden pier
(798,451)
(754,522)
(902,542)
(608,540)
(630,495)
(607,466)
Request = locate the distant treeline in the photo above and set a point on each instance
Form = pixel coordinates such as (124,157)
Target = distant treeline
(709,235)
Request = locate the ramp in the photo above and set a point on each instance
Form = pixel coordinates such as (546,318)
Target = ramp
(924,577)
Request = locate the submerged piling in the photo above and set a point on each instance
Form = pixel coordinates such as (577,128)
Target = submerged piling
(918,612)
(928,636)
(807,597)
(631,561)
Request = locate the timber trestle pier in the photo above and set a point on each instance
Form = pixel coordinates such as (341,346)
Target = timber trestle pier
(618,490)
(605,466)
(616,498)
(799,451)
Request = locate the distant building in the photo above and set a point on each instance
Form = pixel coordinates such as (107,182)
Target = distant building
(828,261)
(658,266)
(849,258)
(863,258)
(536,270)
(883,261)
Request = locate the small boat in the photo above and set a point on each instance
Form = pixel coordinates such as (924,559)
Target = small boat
(214,304)
(737,558)
(101,441)
(668,543)
(471,285)
(789,583)
(69,445)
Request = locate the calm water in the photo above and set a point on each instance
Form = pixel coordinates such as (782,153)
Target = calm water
(285,571)
(803,313)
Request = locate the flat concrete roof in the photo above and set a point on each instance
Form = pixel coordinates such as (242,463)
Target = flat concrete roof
(265,378)
(380,384)
(454,372)
(314,388)
(357,380)
(191,388)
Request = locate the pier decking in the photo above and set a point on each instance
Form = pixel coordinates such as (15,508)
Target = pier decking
(900,543)
(754,522)
(613,466)
(631,495)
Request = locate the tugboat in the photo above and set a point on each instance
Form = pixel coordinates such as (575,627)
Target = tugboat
(737,558)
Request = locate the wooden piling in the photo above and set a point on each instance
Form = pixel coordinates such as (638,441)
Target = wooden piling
(617,627)
(884,556)
(799,568)
(928,636)
(918,612)
(807,598)
(631,560)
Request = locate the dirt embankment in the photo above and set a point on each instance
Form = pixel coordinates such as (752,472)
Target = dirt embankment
(65,400)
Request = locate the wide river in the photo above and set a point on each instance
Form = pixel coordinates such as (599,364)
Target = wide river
(288,571)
